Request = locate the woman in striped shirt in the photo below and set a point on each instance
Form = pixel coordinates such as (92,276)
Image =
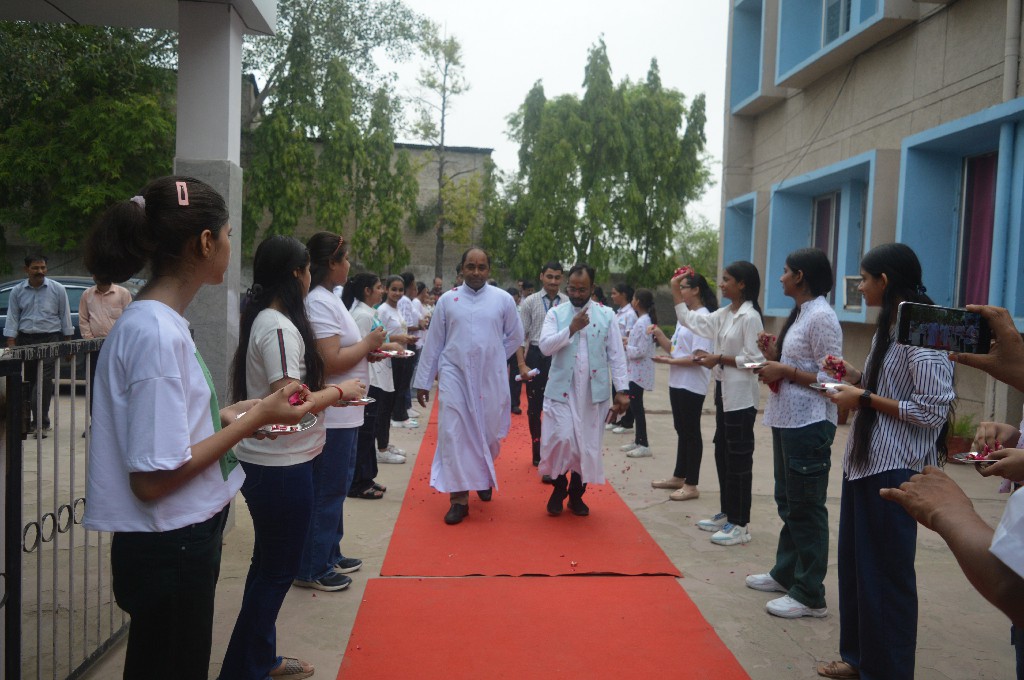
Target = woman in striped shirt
(904,399)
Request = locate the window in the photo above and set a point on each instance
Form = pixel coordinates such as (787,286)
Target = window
(836,15)
(977,219)
(825,228)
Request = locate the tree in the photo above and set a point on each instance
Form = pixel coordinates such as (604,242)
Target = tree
(86,119)
(321,79)
(384,193)
(605,179)
(696,244)
(442,79)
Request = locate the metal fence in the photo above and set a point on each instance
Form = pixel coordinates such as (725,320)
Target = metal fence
(59,613)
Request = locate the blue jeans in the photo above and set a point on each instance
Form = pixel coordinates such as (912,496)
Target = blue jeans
(877,580)
(333,471)
(280,500)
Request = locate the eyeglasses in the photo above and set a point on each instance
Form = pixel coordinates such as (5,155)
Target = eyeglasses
(573,290)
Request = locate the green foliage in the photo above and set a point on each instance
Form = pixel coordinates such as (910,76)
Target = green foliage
(86,119)
(605,179)
(963,426)
(696,244)
(322,81)
(441,80)
(384,194)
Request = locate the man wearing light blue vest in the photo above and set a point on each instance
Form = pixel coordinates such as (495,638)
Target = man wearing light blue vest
(587,360)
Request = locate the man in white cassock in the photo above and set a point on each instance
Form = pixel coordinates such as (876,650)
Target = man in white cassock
(587,359)
(474,330)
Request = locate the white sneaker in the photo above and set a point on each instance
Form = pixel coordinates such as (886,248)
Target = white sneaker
(618,429)
(713,524)
(788,608)
(731,534)
(765,583)
(640,452)
(609,426)
(413,413)
(408,424)
(389,457)
(628,447)
(394,449)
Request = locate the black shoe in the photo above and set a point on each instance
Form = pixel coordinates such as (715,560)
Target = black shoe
(546,479)
(578,507)
(456,513)
(536,462)
(555,502)
(484,495)
(347,565)
(516,410)
(328,583)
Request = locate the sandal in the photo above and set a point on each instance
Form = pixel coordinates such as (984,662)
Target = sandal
(380,487)
(670,483)
(370,493)
(292,669)
(838,669)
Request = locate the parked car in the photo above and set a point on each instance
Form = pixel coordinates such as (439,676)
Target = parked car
(75,286)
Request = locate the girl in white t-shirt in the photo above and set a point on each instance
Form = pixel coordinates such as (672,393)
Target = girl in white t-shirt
(161,471)
(687,389)
(276,346)
(345,351)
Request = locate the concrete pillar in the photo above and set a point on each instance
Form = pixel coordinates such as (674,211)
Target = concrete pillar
(208,143)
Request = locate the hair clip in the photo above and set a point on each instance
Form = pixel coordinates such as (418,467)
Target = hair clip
(182,192)
(341,242)
(139,201)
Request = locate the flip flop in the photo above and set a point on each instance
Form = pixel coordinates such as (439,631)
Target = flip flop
(370,493)
(380,487)
(292,669)
(838,669)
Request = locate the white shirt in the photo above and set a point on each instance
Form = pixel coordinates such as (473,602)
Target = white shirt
(814,335)
(625,317)
(1008,540)
(276,351)
(328,317)
(639,350)
(366,319)
(734,334)
(151,404)
(684,343)
(418,312)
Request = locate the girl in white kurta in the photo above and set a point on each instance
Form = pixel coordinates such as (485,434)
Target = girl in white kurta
(472,334)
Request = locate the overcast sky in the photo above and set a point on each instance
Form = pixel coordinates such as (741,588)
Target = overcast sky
(507,46)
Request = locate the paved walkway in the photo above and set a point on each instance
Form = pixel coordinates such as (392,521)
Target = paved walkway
(960,635)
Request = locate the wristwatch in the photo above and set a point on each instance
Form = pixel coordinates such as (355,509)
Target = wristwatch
(865,398)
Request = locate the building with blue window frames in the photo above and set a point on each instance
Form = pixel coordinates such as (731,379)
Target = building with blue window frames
(851,123)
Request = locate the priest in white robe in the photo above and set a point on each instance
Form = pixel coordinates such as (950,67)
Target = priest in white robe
(587,359)
(474,329)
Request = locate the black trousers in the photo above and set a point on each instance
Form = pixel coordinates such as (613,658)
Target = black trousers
(31,377)
(686,409)
(734,458)
(401,371)
(385,403)
(366,452)
(636,410)
(167,582)
(515,388)
(535,394)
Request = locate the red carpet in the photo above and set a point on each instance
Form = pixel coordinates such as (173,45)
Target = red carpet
(632,625)
(526,628)
(513,535)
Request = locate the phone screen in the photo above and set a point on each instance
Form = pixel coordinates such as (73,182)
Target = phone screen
(942,328)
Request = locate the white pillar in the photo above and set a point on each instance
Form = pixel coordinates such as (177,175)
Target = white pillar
(208,143)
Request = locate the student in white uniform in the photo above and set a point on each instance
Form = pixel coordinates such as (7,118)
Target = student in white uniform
(275,347)
(161,471)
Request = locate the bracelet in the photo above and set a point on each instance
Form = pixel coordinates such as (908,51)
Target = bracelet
(341,395)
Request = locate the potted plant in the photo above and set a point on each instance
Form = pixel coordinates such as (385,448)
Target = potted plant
(960,435)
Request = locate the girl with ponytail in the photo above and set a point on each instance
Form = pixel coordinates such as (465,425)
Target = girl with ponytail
(904,399)
(161,468)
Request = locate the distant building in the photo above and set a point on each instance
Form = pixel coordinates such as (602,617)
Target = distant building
(851,123)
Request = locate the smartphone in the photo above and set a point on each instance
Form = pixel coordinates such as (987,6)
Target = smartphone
(944,328)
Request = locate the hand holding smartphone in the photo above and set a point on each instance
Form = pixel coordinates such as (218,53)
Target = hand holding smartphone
(943,328)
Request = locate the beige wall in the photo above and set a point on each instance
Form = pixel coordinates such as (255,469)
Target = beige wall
(946,66)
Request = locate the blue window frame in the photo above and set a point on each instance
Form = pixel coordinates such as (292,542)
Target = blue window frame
(738,234)
(934,192)
(816,36)
(829,206)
